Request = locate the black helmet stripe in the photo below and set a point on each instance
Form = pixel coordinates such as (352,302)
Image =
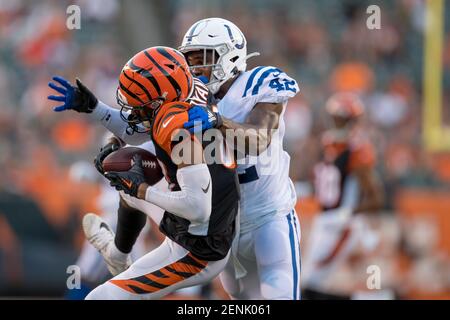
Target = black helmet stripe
(140,86)
(165,73)
(146,74)
(131,94)
(165,53)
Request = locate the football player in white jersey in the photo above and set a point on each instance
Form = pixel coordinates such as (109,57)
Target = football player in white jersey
(346,186)
(266,261)
(251,106)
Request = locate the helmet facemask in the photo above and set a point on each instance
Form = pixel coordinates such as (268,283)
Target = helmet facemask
(139,118)
(213,58)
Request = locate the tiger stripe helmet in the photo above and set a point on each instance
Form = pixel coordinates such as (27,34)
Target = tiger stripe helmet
(152,77)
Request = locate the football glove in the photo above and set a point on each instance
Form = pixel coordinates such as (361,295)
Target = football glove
(128,181)
(78,98)
(107,149)
(201,118)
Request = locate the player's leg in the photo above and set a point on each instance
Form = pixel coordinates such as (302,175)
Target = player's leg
(331,239)
(131,219)
(244,287)
(130,223)
(168,268)
(277,251)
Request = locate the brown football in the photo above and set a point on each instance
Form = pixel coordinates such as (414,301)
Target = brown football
(122,160)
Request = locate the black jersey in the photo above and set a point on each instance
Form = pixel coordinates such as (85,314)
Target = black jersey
(225,191)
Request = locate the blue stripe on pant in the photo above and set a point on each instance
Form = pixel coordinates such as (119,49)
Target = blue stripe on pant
(299,249)
(293,237)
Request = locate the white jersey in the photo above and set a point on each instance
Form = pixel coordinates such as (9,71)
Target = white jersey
(266,189)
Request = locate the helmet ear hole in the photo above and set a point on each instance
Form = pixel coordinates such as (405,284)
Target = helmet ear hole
(234,59)
(171,66)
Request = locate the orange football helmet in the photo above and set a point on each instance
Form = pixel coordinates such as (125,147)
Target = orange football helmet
(152,77)
(344,109)
(344,105)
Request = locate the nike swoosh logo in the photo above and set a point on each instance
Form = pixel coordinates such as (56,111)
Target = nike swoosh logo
(207,187)
(129,184)
(105,226)
(167,122)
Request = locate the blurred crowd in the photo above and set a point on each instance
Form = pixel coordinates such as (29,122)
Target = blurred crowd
(323,44)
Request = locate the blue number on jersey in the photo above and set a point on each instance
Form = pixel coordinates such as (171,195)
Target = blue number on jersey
(275,84)
(288,83)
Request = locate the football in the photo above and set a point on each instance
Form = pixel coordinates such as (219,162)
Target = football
(122,160)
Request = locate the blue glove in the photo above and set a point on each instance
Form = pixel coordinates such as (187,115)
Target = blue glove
(203,79)
(201,118)
(78,98)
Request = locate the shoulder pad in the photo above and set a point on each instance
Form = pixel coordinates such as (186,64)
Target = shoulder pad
(269,84)
(168,121)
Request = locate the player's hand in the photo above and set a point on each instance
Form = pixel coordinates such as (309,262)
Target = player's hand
(78,98)
(128,181)
(107,149)
(201,118)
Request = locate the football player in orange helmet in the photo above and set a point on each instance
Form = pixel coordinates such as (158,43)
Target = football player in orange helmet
(153,77)
(201,206)
(345,185)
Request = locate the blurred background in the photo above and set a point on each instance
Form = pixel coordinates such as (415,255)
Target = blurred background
(47,184)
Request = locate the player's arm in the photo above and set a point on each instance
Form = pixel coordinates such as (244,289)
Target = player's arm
(372,195)
(265,94)
(82,100)
(257,130)
(251,137)
(192,202)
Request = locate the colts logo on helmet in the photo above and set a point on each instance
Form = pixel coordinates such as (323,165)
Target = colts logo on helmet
(237,45)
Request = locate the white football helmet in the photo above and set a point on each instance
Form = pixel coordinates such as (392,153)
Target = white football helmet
(223,37)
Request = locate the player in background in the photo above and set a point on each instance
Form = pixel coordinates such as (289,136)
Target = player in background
(346,186)
(128,128)
(251,106)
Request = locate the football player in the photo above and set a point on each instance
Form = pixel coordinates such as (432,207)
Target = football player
(200,209)
(346,185)
(127,128)
(251,106)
